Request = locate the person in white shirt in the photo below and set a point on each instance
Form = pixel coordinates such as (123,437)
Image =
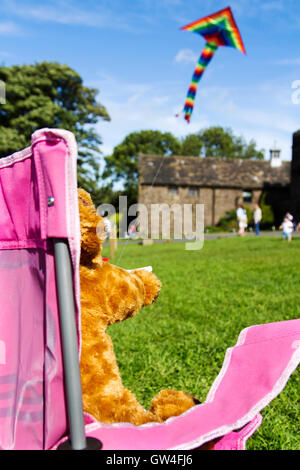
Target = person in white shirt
(242,219)
(291,218)
(107,227)
(257,216)
(287,228)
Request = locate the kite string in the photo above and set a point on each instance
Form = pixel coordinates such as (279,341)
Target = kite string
(151,187)
(205,57)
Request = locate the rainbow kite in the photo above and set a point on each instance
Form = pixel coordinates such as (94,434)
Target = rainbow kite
(219,29)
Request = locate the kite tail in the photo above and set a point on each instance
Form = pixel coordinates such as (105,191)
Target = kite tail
(206,56)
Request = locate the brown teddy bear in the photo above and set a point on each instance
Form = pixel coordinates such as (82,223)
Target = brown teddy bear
(110,294)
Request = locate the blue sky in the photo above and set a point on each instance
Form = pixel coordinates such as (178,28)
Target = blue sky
(134,52)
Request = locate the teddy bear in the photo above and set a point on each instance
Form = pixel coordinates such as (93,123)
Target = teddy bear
(110,294)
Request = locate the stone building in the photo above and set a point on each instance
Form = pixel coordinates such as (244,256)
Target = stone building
(219,184)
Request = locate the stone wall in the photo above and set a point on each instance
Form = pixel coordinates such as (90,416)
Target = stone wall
(216,201)
(220,184)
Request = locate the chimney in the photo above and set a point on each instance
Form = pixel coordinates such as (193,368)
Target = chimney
(275,160)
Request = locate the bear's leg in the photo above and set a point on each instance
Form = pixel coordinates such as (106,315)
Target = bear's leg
(120,407)
(168,403)
(104,396)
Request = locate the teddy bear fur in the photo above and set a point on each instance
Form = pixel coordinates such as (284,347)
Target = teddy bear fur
(110,294)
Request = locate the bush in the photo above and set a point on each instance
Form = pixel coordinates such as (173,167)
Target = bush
(268,218)
(249,215)
(212,229)
(228,222)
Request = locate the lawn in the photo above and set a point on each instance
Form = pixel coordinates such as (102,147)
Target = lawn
(207,298)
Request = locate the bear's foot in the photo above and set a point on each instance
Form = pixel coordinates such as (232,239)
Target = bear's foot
(168,403)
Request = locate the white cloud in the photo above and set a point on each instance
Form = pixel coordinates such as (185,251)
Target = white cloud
(69,13)
(268,116)
(186,56)
(4,54)
(288,61)
(8,28)
(159,100)
(73,13)
(140,111)
(273,6)
(263,120)
(266,138)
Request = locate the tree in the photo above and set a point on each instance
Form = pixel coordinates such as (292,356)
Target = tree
(192,145)
(122,164)
(217,142)
(105,194)
(49,94)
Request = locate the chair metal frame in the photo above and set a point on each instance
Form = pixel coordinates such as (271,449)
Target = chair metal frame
(65,292)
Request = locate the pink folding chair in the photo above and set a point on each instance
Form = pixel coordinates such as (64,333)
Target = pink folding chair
(40,390)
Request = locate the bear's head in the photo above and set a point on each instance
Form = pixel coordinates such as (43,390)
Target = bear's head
(92,229)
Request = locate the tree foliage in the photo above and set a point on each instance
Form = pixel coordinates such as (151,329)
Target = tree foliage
(215,142)
(218,142)
(192,145)
(49,94)
(123,163)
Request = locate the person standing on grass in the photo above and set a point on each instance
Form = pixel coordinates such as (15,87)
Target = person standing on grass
(241,216)
(132,231)
(287,228)
(291,218)
(107,227)
(257,215)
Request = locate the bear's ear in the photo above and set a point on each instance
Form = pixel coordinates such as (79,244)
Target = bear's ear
(90,227)
(85,198)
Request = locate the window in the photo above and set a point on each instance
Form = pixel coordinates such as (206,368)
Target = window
(247,196)
(173,190)
(193,192)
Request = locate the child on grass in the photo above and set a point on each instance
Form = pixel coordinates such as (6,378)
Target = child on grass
(287,228)
(241,216)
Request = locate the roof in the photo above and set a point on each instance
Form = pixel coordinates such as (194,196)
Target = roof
(160,170)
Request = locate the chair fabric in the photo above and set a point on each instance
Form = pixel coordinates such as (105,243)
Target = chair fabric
(254,372)
(32,404)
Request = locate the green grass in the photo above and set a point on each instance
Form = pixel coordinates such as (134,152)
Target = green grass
(207,298)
